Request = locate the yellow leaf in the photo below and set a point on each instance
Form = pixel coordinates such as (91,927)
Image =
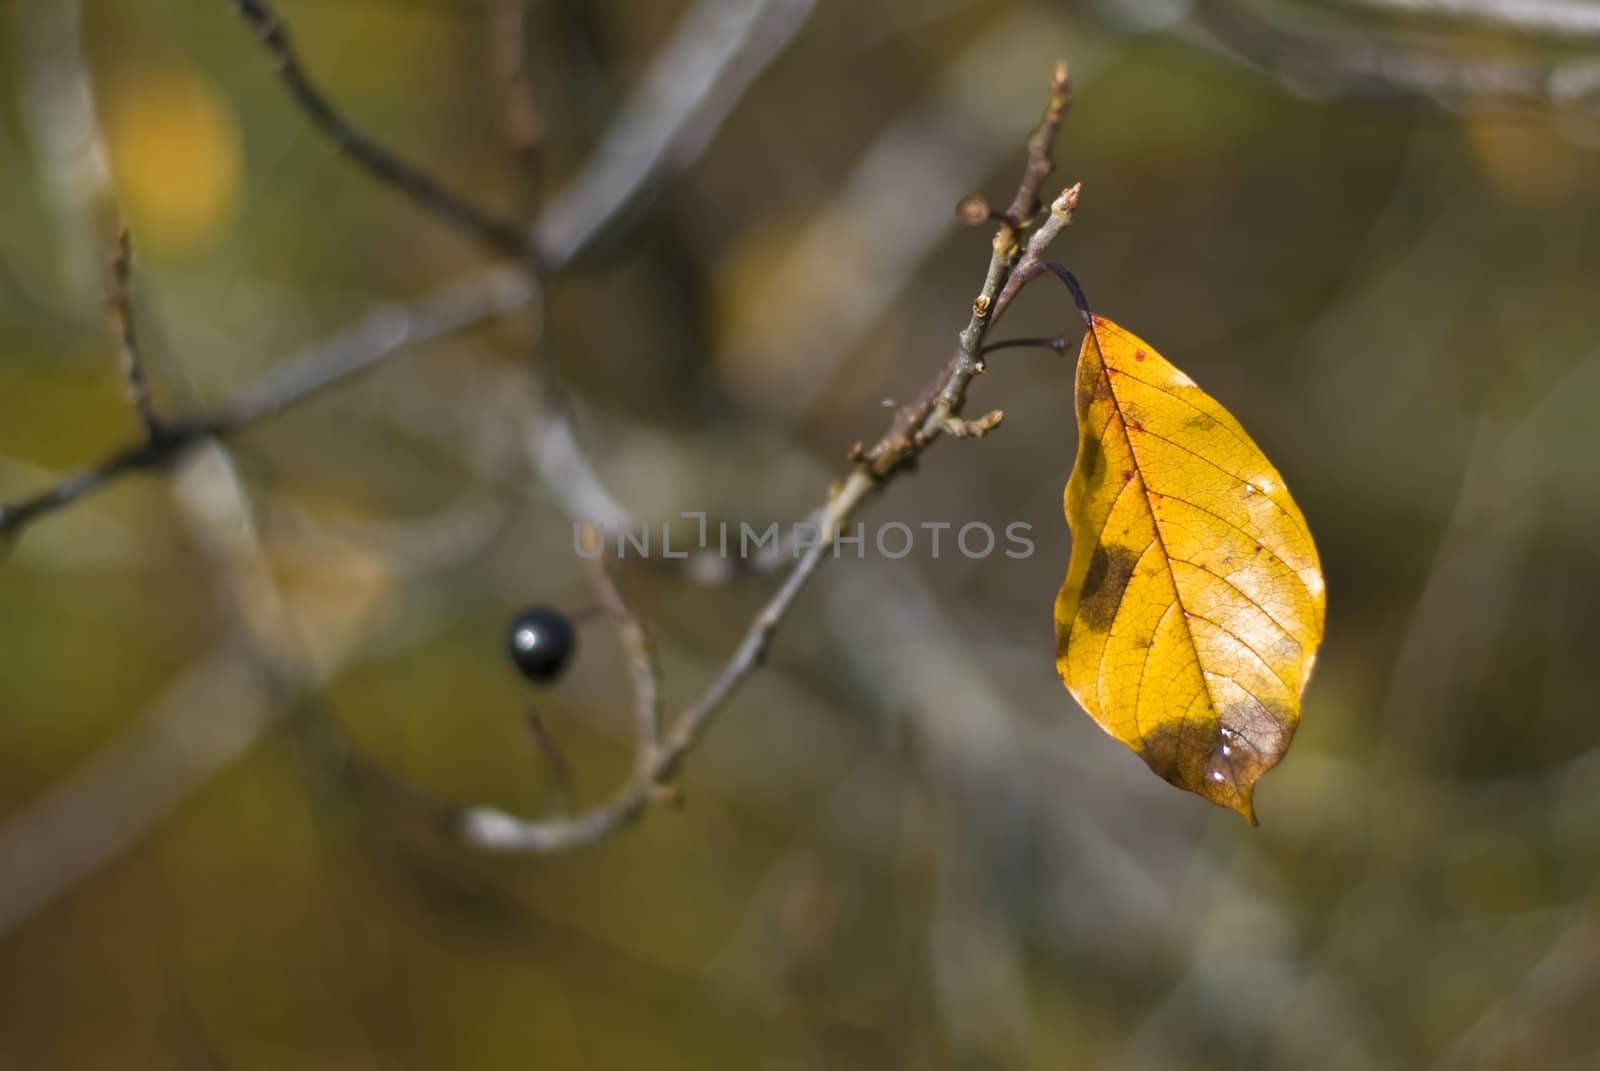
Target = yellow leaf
(1193,604)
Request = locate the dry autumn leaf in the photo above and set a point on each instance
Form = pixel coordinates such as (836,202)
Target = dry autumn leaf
(1193,604)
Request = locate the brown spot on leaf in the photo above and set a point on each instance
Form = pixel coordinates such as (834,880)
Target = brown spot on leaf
(1138,355)
(1110,569)
(1092,458)
(1163,752)
(1221,760)
(1093,386)
(1127,474)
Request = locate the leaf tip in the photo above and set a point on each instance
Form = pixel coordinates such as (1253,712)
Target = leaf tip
(1226,791)
(1246,808)
(1225,774)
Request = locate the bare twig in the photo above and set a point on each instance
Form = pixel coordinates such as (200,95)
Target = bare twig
(375,159)
(913,429)
(73,831)
(917,424)
(642,664)
(674,135)
(121,308)
(937,411)
(384,332)
(496,830)
(1041,162)
(1060,217)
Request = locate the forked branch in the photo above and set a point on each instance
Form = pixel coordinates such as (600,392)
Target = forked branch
(914,428)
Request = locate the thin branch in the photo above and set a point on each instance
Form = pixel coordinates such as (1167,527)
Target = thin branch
(925,418)
(137,774)
(521,120)
(120,300)
(915,427)
(383,333)
(642,663)
(912,431)
(674,135)
(1060,217)
(1041,161)
(495,830)
(375,159)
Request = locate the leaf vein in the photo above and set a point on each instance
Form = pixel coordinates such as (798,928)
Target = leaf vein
(1247,645)
(1279,558)
(1166,557)
(1164,391)
(1288,634)
(1297,522)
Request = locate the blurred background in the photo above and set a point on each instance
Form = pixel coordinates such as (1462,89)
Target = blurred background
(1369,227)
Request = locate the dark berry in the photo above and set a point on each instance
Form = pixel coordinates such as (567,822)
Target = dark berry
(542,642)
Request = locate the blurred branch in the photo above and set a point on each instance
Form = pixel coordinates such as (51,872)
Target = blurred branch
(1561,18)
(1547,1002)
(684,127)
(676,135)
(375,159)
(718,50)
(523,125)
(121,302)
(207,718)
(384,332)
(496,830)
(914,428)
(56,108)
(136,780)
(642,663)
(120,794)
(1350,61)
